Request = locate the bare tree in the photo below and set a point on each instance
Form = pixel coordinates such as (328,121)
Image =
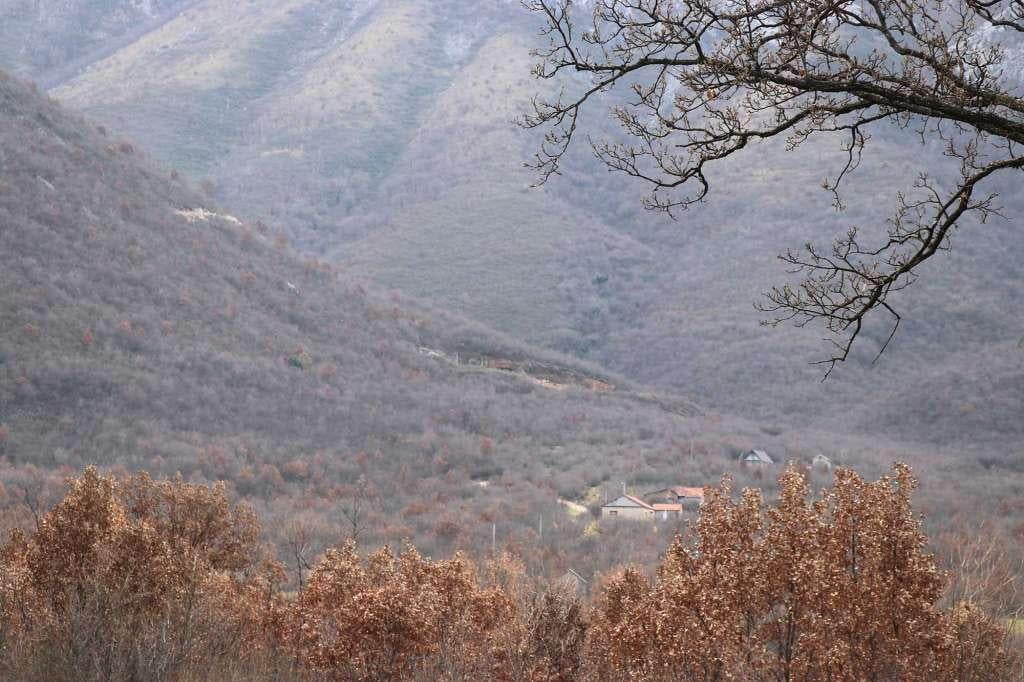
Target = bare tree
(301,541)
(708,77)
(354,507)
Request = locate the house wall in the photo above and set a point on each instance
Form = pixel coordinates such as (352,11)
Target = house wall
(630,513)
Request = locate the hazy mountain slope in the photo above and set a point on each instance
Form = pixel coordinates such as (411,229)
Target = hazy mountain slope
(304,83)
(322,143)
(719,257)
(379,134)
(199,81)
(49,39)
(464,226)
(141,328)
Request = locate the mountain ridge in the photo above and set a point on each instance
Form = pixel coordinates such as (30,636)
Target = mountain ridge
(392,154)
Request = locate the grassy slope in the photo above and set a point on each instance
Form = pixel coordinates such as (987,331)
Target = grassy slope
(382,138)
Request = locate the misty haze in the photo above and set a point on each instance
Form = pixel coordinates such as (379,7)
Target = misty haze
(446,339)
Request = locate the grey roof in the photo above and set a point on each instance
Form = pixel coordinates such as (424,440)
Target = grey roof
(629,501)
(757,456)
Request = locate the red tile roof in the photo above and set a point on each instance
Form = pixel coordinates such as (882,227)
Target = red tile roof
(692,492)
(668,506)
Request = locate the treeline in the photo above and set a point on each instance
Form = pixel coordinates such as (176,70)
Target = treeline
(132,578)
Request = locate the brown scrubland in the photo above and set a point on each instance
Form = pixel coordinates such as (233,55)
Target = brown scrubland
(130,578)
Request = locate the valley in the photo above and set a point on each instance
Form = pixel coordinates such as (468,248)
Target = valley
(291,332)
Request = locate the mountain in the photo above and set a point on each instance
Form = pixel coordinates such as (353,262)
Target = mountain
(143,327)
(49,40)
(377,135)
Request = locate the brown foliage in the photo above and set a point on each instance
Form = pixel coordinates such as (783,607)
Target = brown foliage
(837,588)
(388,616)
(141,579)
(127,580)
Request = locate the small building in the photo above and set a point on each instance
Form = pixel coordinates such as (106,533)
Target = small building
(756,458)
(627,507)
(687,496)
(667,511)
(821,464)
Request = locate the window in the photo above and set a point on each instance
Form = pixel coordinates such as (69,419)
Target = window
(613,513)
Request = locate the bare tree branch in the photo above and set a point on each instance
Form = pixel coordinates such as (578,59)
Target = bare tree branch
(708,77)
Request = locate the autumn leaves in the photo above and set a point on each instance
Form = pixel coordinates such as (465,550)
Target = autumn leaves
(138,579)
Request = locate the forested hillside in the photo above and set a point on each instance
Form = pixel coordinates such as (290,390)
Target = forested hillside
(143,328)
(303,375)
(378,135)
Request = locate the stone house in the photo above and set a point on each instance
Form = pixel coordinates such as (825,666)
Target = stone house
(628,507)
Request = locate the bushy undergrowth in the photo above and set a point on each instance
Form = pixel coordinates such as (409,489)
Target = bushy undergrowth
(128,579)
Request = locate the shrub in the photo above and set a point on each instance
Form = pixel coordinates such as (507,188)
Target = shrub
(389,616)
(132,578)
(836,588)
(126,580)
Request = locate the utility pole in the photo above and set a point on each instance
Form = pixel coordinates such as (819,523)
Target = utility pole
(494,538)
(540,526)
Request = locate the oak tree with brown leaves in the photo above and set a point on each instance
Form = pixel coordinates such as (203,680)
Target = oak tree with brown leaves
(837,588)
(128,579)
(132,579)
